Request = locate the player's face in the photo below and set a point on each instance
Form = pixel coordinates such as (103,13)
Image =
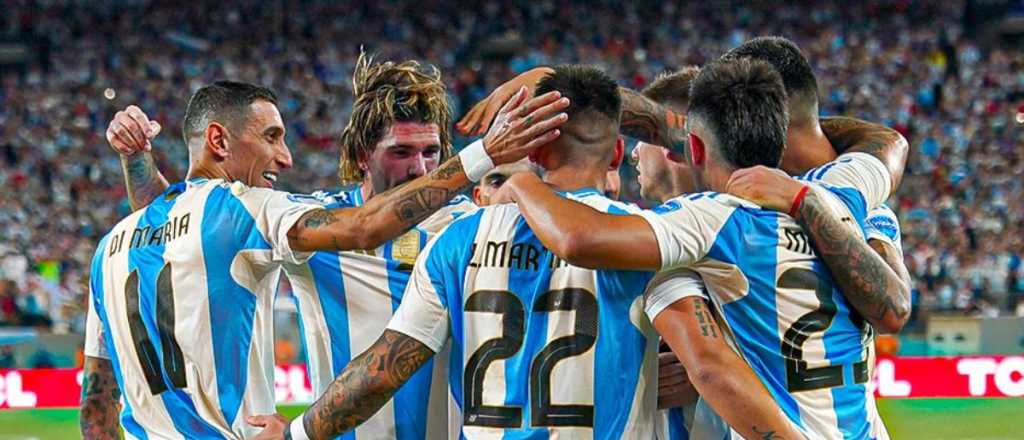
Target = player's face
(258,150)
(661,176)
(493,180)
(408,150)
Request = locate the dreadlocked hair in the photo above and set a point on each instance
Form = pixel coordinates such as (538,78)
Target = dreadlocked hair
(386,93)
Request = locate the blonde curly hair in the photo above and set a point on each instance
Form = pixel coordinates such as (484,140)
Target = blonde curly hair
(386,93)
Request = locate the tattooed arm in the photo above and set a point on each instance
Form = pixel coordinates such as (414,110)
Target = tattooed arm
(871,286)
(100,401)
(366,384)
(849,135)
(720,376)
(647,121)
(521,127)
(142,179)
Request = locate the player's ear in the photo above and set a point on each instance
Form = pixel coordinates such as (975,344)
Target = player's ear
(477,194)
(620,149)
(216,140)
(363,160)
(697,150)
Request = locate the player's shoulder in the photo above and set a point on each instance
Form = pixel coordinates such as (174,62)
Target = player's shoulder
(707,203)
(600,202)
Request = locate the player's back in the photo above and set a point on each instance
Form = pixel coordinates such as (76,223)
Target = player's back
(345,300)
(785,313)
(184,290)
(540,348)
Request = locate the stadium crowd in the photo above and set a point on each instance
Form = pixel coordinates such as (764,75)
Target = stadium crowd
(912,66)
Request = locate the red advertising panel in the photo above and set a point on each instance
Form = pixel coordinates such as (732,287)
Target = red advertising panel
(971,376)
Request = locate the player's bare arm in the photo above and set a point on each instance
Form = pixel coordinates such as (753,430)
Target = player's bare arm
(849,135)
(719,375)
(101,400)
(873,288)
(580,234)
(520,128)
(366,384)
(130,133)
(648,121)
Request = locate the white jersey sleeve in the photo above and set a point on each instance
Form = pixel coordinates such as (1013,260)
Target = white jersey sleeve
(670,286)
(882,224)
(422,315)
(95,345)
(275,212)
(860,171)
(686,227)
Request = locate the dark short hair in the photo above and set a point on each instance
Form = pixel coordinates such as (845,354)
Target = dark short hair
(224,101)
(587,87)
(742,103)
(672,89)
(785,56)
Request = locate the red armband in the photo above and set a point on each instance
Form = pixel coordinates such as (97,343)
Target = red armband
(798,200)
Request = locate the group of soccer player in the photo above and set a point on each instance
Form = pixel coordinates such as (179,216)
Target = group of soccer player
(745,304)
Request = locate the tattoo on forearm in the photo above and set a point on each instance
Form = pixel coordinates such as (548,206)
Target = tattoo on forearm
(704,318)
(855,267)
(100,403)
(766,434)
(648,121)
(447,170)
(366,384)
(415,204)
(142,179)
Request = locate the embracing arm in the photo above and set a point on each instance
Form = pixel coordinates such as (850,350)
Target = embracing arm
(383,217)
(849,135)
(866,274)
(100,400)
(580,234)
(646,120)
(142,179)
(720,376)
(366,384)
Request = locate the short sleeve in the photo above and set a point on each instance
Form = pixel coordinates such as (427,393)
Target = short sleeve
(422,315)
(670,286)
(882,224)
(860,171)
(275,212)
(685,228)
(95,345)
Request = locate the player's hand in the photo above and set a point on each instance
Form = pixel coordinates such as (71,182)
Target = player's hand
(273,426)
(475,122)
(771,188)
(131,131)
(674,387)
(524,124)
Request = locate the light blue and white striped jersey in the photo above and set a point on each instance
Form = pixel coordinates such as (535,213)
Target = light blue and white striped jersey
(882,224)
(183,291)
(789,321)
(539,348)
(345,300)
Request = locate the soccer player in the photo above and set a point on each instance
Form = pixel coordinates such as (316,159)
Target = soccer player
(397,132)
(539,348)
(759,266)
(182,290)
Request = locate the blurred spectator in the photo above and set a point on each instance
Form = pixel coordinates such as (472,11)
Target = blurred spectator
(910,65)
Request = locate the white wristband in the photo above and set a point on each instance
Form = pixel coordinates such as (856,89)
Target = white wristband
(298,429)
(475,161)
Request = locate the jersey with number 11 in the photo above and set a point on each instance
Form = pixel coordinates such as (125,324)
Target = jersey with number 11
(181,296)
